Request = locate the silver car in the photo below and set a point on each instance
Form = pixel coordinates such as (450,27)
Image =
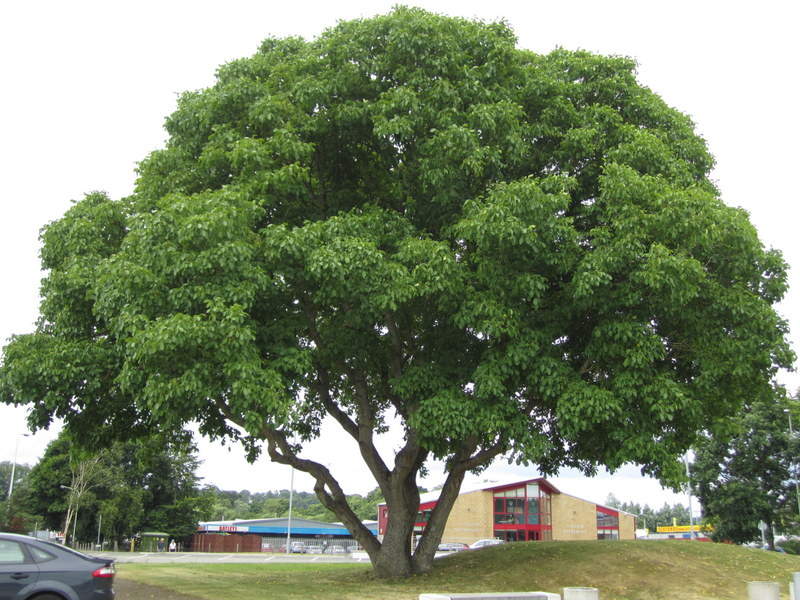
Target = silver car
(487,542)
(35,568)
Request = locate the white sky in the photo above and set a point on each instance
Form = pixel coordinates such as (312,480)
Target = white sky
(86,86)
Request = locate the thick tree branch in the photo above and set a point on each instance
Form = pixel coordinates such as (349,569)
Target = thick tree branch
(396,361)
(326,487)
(361,430)
(323,389)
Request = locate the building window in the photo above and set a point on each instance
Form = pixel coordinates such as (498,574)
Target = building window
(607,524)
(423,516)
(533,511)
(509,510)
(522,514)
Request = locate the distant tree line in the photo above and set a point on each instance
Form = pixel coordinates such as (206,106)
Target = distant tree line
(144,485)
(229,505)
(649,518)
(147,485)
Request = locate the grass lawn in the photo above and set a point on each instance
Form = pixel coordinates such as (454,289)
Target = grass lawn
(636,570)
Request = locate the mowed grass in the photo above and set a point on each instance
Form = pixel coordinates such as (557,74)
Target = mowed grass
(636,570)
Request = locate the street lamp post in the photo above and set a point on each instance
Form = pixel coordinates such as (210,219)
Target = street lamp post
(791,435)
(99,525)
(689,493)
(14,466)
(289,522)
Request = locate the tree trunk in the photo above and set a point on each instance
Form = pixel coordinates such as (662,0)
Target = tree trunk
(393,557)
(68,521)
(422,560)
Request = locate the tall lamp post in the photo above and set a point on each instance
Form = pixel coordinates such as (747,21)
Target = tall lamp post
(14,466)
(289,522)
(791,435)
(689,493)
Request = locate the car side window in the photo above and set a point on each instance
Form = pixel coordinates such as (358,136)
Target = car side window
(40,555)
(11,553)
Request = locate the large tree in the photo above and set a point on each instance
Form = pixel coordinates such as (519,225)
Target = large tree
(410,219)
(14,513)
(750,478)
(20,473)
(141,485)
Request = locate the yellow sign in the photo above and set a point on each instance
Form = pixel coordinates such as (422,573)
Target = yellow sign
(683,528)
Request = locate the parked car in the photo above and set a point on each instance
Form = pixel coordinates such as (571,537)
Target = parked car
(452,547)
(337,550)
(298,548)
(486,542)
(36,568)
(314,550)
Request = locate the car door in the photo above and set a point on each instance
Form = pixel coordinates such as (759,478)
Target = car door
(17,570)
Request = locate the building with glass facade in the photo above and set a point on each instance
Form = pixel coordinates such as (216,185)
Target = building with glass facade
(524,511)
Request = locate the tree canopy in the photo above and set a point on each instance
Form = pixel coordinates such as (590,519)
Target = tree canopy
(14,515)
(411,218)
(147,484)
(20,472)
(751,478)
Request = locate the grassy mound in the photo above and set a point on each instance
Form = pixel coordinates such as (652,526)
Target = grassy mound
(640,570)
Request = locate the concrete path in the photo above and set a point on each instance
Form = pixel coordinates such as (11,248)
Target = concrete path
(221,557)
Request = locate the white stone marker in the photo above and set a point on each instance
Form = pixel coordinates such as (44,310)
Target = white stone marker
(763,590)
(581,593)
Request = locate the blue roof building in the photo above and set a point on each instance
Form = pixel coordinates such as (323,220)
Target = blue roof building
(271,535)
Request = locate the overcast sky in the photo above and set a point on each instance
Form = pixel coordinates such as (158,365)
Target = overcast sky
(87,85)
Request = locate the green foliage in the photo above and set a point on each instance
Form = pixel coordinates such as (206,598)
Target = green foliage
(146,485)
(516,254)
(229,505)
(750,478)
(649,518)
(14,513)
(46,498)
(20,474)
(791,546)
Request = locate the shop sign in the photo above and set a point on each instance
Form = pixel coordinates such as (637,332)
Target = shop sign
(227,528)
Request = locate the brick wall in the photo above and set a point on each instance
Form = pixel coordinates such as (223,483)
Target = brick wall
(235,542)
(471,519)
(627,526)
(576,519)
(573,518)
